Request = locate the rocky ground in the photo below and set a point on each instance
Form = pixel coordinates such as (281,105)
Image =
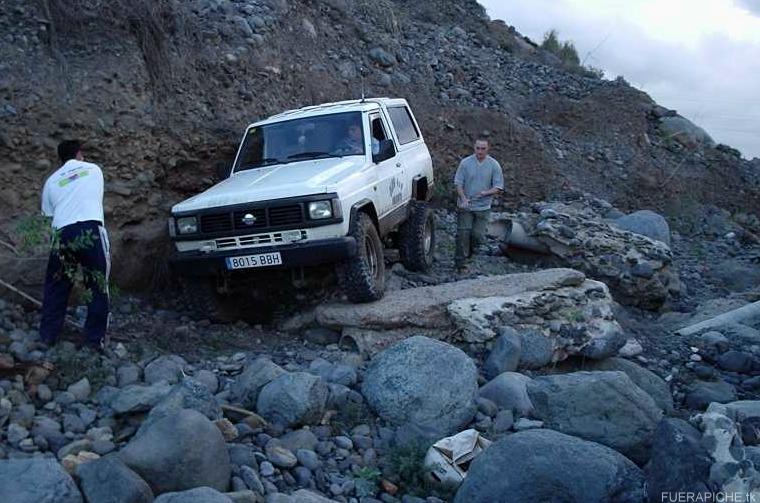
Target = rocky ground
(566,356)
(541,360)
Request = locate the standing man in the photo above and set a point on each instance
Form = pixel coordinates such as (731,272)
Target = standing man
(73,196)
(477,179)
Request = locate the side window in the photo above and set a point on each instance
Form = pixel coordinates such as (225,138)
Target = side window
(378,133)
(402,122)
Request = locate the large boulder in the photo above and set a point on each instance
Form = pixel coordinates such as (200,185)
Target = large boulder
(505,354)
(197,495)
(426,307)
(685,132)
(139,398)
(636,268)
(36,480)
(548,466)
(645,379)
(167,368)
(257,373)
(424,382)
(188,394)
(603,406)
(509,391)
(552,325)
(293,399)
(182,450)
(647,223)
(679,463)
(109,480)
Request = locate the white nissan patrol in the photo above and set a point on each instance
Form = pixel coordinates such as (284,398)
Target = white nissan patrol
(331,183)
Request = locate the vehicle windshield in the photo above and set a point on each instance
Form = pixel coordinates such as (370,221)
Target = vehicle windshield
(334,135)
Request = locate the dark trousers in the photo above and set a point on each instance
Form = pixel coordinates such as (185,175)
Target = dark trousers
(471,231)
(80,245)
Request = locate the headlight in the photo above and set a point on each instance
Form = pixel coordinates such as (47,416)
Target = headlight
(187,225)
(320,209)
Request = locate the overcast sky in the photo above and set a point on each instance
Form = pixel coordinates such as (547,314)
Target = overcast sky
(700,57)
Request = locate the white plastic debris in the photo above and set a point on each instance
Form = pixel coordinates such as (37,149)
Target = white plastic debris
(448,460)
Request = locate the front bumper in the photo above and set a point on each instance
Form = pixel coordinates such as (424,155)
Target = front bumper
(322,251)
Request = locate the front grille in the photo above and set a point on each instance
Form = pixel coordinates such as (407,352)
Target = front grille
(258,213)
(265,218)
(285,215)
(218,222)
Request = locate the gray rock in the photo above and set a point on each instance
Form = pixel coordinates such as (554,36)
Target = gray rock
(299,439)
(128,374)
(280,456)
(308,458)
(242,455)
(44,393)
(320,335)
(398,385)
(605,407)
(702,393)
(714,340)
(552,467)
(197,495)
(382,57)
(505,354)
(647,223)
(536,350)
(266,469)
(251,479)
(16,433)
(109,480)
(292,399)
(80,389)
(503,421)
(167,368)
(208,379)
(644,379)
(257,374)
(685,132)
(75,447)
(139,398)
(36,480)
(179,451)
(737,361)
(509,391)
(188,394)
(73,423)
(679,463)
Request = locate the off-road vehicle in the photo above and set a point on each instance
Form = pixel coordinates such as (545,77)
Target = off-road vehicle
(332,183)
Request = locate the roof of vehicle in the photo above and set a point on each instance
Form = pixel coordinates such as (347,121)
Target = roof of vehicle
(333,108)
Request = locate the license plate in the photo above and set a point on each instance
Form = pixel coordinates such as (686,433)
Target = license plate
(260,260)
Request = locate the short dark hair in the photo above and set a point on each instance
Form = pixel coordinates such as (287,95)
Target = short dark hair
(69,149)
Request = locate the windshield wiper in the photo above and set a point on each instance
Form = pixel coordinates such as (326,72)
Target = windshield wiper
(310,155)
(267,161)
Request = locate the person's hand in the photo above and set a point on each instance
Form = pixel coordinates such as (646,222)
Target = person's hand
(465,202)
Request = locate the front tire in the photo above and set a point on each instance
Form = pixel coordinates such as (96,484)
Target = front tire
(362,277)
(417,238)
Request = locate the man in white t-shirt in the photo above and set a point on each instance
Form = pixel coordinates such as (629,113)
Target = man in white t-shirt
(73,197)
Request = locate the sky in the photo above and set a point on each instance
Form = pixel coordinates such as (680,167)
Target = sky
(699,57)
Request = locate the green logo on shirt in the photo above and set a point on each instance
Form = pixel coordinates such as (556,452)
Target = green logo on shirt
(76,176)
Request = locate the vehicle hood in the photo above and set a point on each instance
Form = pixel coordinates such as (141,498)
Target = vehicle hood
(275,182)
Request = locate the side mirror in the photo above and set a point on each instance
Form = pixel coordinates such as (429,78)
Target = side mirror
(223,170)
(386,151)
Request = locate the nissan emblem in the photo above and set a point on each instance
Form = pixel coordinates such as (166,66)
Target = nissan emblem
(249,219)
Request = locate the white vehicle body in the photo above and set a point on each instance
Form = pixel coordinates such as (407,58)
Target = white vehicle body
(282,206)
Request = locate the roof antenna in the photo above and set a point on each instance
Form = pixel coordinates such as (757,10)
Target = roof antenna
(361,76)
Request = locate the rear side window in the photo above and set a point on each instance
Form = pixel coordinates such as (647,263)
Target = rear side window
(402,122)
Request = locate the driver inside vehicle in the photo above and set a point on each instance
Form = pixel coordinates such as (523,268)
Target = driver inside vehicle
(353,142)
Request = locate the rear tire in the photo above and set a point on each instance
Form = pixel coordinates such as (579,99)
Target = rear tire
(417,238)
(362,277)
(205,302)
